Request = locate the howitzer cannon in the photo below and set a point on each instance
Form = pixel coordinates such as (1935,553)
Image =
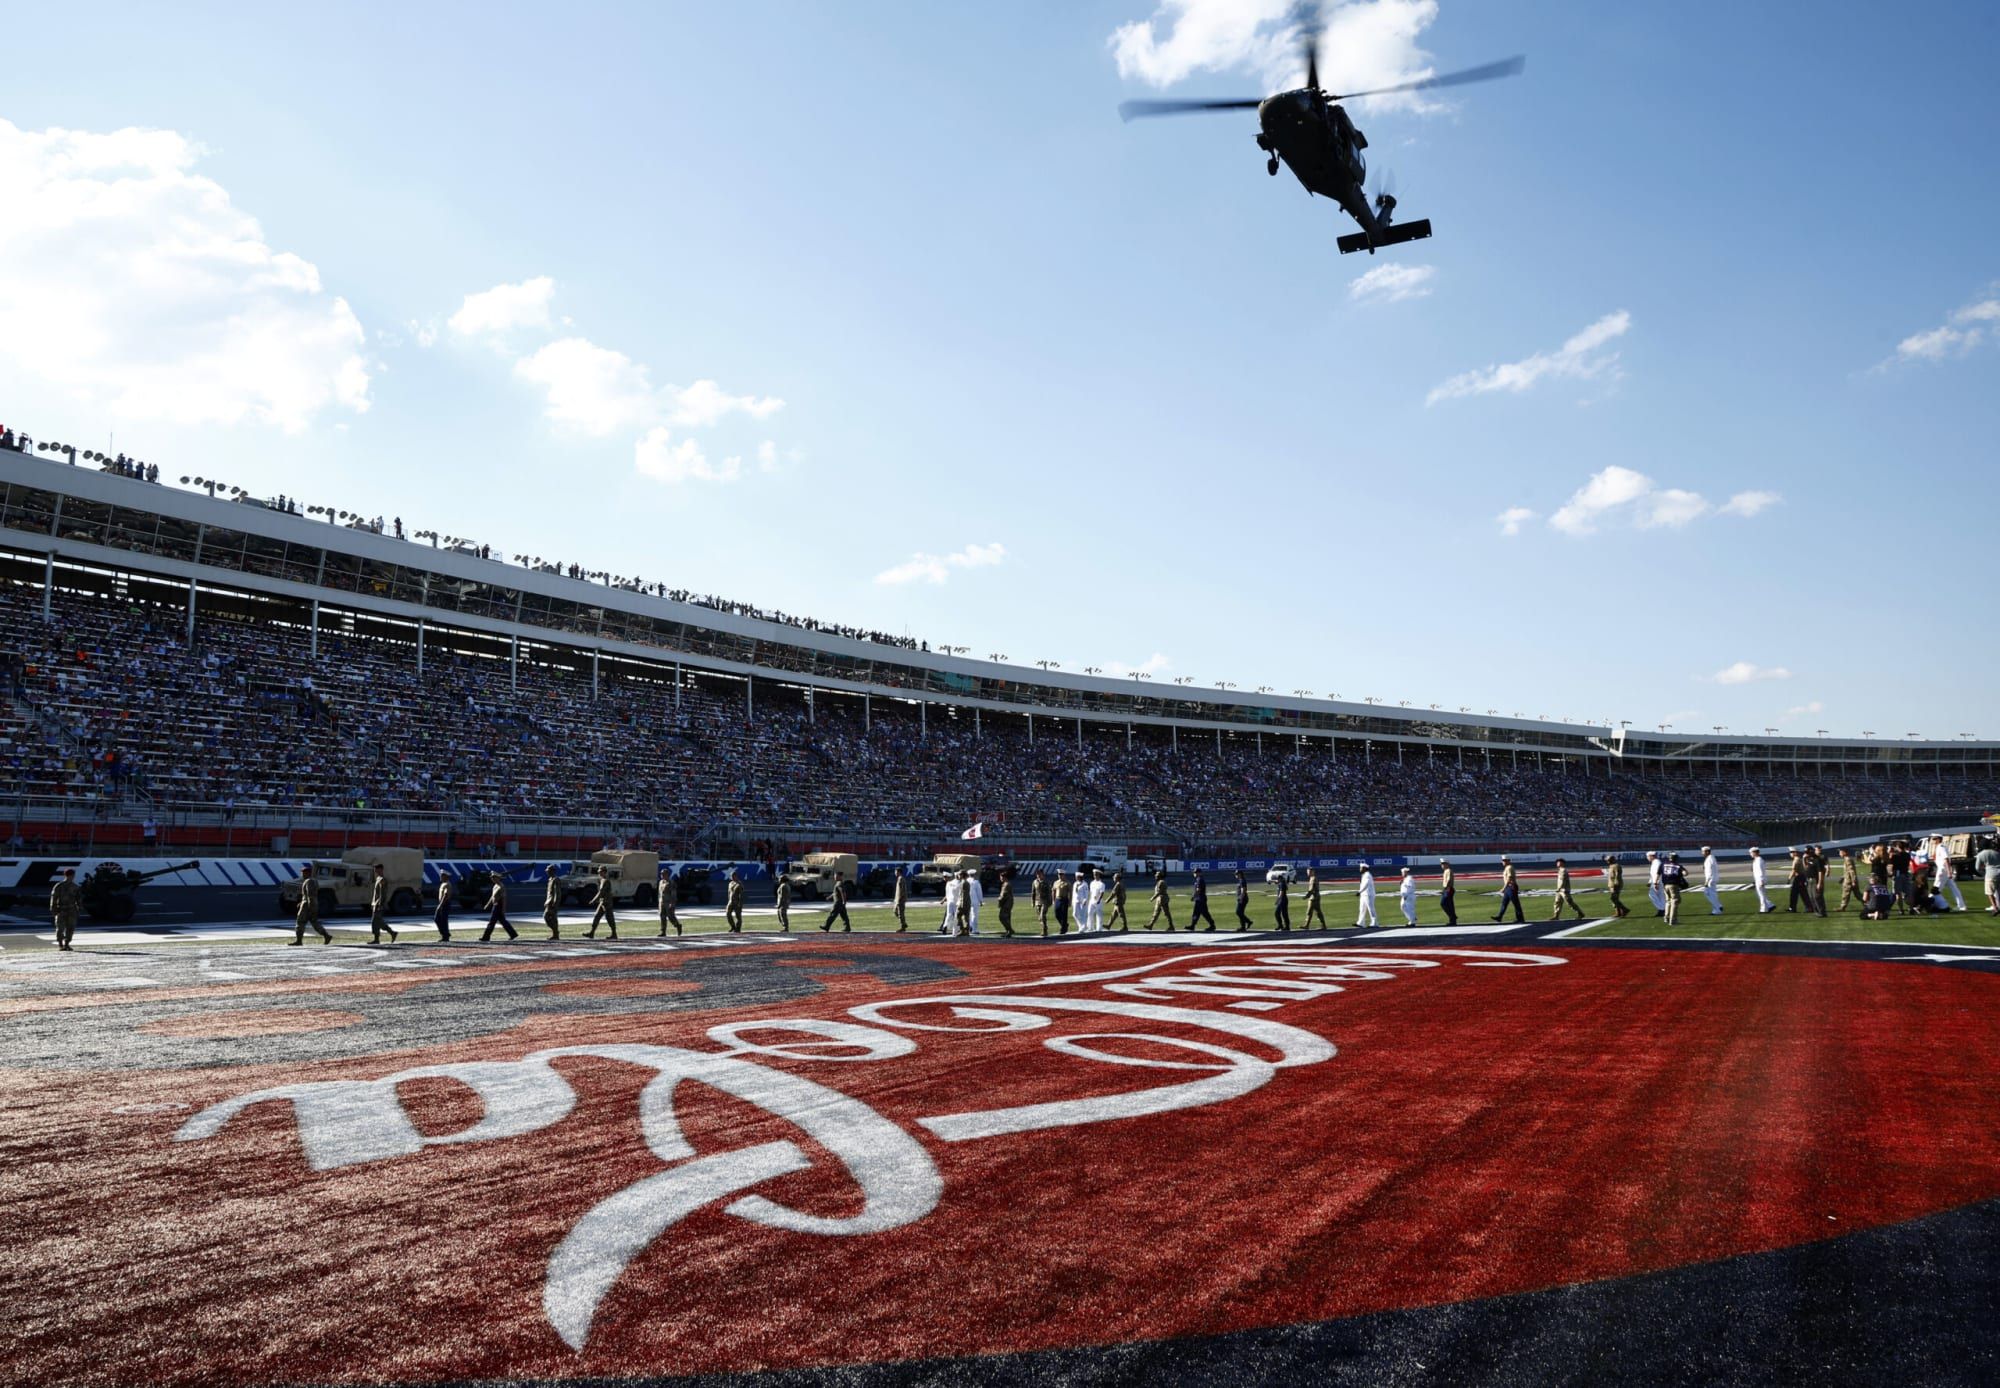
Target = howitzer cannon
(109,890)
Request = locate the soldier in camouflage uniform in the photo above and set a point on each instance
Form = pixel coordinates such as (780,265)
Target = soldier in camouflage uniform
(901,901)
(65,902)
(839,908)
(552,900)
(1118,904)
(1162,905)
(1006,900)
(785,905)
(607,906)
(732,907)
(1564,896)
(378,908)
(1041,898)
(670,895)
(1614,883)
(1313,909)
(496,909)
(308,910)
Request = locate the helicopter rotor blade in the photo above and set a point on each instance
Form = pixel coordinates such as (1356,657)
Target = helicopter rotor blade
(1306,14)
(1132,110)
(1506,67)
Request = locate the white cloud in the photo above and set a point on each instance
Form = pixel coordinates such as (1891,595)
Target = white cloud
(767,456)
(936,568)
(1606,491)
(1580,358)
(1805,710)
(1391,283)
(1513,518)
(590,388)
(1367,43)
(658,456)
(1619,493)
(1744,672)
(1966,328)
(505,308)
(1747,504)
(139,287)
(705,403)
(1671,507)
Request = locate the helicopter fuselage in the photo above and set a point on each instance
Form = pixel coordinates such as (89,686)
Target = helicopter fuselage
(1322,148)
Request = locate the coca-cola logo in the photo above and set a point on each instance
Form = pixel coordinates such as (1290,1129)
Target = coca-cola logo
(345,1123)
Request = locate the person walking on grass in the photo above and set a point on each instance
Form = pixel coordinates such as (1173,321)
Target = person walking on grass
(670,892)
(552,900)
(441,918)
(308,913)
(1987,865)
(1945,873)
(1614,884)
(1198,903)
(1673,881)
(1407,895)
(1040,898)
(1447,891)
(1758,881)
(1711,875)
(378,908)
(1313,911)
(605,908)
(1510,891)
(1242,901)
(901,901)
(1564,896)
(1655,893)
(1162,906)
(496,910)
(1364,897)
(838,911)
(784,900)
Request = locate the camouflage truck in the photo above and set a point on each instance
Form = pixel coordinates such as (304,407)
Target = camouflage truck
(929,879)
(635,875)
(814,875)
(350,881)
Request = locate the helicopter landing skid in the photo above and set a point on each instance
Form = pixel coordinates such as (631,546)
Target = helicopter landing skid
(1393,235)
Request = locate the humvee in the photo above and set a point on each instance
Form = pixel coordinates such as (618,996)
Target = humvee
(634,873)
(930,878)
(813,876)
(351,881)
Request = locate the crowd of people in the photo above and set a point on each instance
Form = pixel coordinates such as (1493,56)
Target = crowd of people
(108,699)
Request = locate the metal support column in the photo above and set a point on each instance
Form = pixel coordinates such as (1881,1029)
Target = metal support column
(313,648)
(867,714)
(420,648)
(677,684)
(593,674)
(49,585)
(749,699)
(1031,730)
(193,584)
(975,725)
(514,664)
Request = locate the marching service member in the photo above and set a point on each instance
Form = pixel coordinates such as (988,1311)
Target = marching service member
(1945,873)
(784,901)
(1006,900)
(1041,898)
(605,907)
(1242,901)
(1097,891)
(1364,895)
(1407,896)
(1448,890)
(900,900)
(970,903)
(552,900)
(1655,893)
(1564,896)
(1764,903)
(1161,905)
(1061,895)
(670,892)
(1710,873)
(1510,890)
(1614,883)
(1117,895)
(308,914)
(378,908)
(953,890)
(496,909)
(1199,912)
(732,905)
(1313,911)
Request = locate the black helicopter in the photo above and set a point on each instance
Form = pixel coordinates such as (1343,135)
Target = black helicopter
(1310,131)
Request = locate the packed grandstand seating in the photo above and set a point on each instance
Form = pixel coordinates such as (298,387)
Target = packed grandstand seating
(107,699)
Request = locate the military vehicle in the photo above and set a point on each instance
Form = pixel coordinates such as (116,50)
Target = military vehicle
(635,874)
(879,880)
(350,881)
(814,875)
(108,892)
(695,884)
(929,879)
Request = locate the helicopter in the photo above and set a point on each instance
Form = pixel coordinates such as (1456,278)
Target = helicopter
(1310,132)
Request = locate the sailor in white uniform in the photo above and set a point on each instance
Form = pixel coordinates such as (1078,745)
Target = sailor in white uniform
(1944,875)
(1764,902)
(1655,893)
(974,895)
(952,888)
(1097,890)
(1364,896)
(1408,893)
(1710,872)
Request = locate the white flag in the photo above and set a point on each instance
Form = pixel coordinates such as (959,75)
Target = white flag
(977,831)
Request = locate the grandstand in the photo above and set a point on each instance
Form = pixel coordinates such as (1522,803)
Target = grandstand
(231,670)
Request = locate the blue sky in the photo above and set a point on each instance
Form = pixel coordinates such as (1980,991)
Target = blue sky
(1094,392)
